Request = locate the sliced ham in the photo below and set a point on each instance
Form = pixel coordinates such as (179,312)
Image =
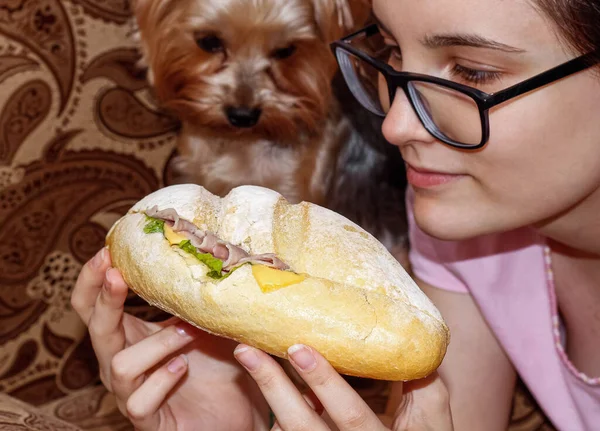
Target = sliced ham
(235,255)
(207,242)
(268,259)
(220,251)
(177,223)
(194,239)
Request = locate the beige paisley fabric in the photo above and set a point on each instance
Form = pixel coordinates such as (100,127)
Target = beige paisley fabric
(80,141)
(17,415)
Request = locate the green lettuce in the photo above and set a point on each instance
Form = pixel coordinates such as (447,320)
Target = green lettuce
(215,265)
(154,225)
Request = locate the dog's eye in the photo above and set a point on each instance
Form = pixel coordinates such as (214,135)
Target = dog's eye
(283,53)
(210,44)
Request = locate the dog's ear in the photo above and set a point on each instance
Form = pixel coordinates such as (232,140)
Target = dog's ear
(148,13)
(141,10)
(335,18)
(146,16)
(360,11)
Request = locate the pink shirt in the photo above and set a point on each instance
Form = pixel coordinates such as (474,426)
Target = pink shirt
(509,276)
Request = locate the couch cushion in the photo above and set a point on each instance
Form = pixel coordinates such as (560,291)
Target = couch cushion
(80,141)
(91,409)
(16,415)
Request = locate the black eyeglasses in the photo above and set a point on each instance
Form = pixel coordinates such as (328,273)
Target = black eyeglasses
(455,114)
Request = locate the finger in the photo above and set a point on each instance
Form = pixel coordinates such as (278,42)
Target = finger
(424,405)
(129,366)
(292,411)
(343,404)
(314,403)
(430,391)
(89,283)
(143,406)
(312,400)
(106,323)
(395,397)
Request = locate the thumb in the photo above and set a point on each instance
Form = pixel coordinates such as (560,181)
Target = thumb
(421,405)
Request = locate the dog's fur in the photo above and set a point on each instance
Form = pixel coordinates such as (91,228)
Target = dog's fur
(311,142)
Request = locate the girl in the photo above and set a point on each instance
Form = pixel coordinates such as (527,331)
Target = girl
(505,233)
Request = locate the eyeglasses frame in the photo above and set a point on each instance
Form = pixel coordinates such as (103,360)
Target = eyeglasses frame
(484,101)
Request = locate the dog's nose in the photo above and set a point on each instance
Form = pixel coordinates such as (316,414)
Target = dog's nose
(242,116)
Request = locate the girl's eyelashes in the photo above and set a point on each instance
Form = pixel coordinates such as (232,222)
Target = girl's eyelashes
(474,76)
(394,54)
(391,52)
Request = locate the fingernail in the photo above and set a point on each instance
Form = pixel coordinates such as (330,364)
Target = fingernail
(98,259)
(178,364)
(184,329)
(109,278)
(303,357)
(247,356)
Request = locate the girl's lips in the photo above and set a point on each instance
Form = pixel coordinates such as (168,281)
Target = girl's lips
(427,179)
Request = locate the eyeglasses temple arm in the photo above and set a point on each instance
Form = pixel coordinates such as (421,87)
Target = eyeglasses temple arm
(576,65)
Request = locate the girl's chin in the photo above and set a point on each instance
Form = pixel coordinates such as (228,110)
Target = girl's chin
(448,224)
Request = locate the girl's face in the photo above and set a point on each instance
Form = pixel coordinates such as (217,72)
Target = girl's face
(543,156)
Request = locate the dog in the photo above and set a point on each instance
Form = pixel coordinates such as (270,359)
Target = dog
(261,101)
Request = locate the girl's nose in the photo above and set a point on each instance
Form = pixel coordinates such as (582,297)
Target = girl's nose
(401,125)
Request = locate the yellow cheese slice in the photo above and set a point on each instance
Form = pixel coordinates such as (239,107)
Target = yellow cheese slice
(172,236)
(271,279)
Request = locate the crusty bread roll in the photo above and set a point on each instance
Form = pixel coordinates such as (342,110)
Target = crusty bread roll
(355,305)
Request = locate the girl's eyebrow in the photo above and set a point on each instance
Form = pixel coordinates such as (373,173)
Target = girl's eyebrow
(472,40)
(456,39)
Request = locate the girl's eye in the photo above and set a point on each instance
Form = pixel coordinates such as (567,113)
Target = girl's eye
(395,53)
(478,77)
(391,54)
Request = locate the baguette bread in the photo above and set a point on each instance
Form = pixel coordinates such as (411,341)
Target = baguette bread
(350,299)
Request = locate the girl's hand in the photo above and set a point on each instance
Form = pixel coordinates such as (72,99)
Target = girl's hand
(423,406)
(168,375)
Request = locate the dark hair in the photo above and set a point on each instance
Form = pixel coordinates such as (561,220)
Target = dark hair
(578,22)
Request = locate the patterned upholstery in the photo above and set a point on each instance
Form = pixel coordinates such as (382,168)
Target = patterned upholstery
(80,141)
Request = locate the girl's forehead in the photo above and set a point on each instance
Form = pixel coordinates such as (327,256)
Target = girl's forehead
(513,22)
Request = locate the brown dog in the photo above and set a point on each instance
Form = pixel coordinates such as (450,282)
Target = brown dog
(251,83)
